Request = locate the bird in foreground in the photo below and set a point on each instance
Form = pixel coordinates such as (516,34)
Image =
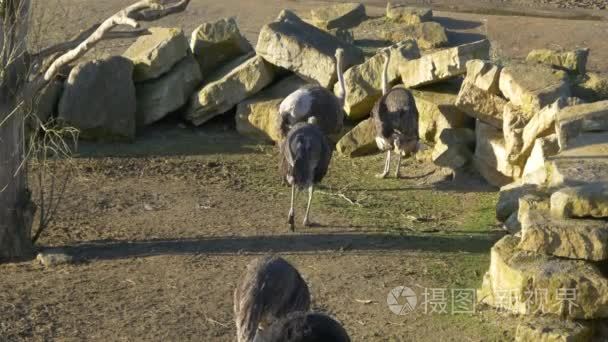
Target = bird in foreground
(306,154)
(315,100)
(270,289)
(395,117)
(304,327)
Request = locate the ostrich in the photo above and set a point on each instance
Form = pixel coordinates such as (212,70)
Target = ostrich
(395,117)
(304,327)
(314,100)
(306,154)
(270,289)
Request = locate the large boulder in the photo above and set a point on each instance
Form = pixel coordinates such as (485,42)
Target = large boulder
(359,141)
(509,196)
(491,158)
(575,120)
(590,87)
(216,43)
(513,123)
(514,274)
(540,125)
(364,81)
(584,161)
(408,15)
(343,15)
(575,60)
(159,97)
(442,65)
(533,86)
(156,53)
(308,51)
(484,75)
(228,86)
(480,104)
(554,330)
(256,117)
(561,237)
(535,171)
(437,111)
(44,104)
(99,99)
(454,148)
(430,35)
(590,200)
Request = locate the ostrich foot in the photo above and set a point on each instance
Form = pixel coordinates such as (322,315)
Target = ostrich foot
(381,175)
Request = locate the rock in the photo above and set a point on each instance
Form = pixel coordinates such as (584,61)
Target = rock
(514,274)
(513,123)
(44,105)
(437,111)
(535,171)
(344,35)
(540,125)
(430,35)
(508,198)
(481,104)
(566,238)
(484,75)
(575,120)
(453,148)
(408,15)
(590,87)
(590,200)
(584,161)
(228,86)
(256,117)
(54,257)
(156,53)
(217,43)
(533,87)
(159,97)
(491,156)
(309,52)
(342,15)
(359,141)
(364,81)
(442,65)
(575,61)
(553,330)
(99,100)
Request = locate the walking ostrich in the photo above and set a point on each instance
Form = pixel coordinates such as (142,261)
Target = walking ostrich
(304,327)
(270,289)
(314,100)
(395,117)
(306,154)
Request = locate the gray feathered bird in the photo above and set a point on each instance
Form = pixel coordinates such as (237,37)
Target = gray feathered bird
(395,117)
(270,289)
(304,327)
(306,155)
(314,100)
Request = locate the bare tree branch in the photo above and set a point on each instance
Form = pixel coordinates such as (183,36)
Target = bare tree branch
(168,8)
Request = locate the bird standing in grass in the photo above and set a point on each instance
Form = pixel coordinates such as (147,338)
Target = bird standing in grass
(306,155)
(270,289)
(395,117)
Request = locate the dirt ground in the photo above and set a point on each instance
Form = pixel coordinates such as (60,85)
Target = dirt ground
(163,228)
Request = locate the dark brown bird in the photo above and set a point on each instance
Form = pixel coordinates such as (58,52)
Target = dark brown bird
(304,327)
(395,117)
(270,289)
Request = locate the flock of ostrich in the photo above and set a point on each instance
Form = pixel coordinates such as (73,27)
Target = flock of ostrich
(272,302)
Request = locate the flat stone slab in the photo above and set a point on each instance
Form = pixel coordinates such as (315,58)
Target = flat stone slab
(159,97)
(442,65)
(363,82)
(306,50)
(562,237)
(429,35)
(515,273)
(533,86)
(343,15)
(227,87)
(257,117)
(575,120)
(585,201)
(484,75)
(407,14)
(481,104)
(156,53)
(584,161)
(508,198)
(217,43)
(359,141)
(575,60)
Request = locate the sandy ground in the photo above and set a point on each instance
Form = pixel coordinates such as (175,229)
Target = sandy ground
(163,228)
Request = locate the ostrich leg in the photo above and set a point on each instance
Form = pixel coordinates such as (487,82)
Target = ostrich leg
(387,165)
(310,191)
(398,167)
(290,218)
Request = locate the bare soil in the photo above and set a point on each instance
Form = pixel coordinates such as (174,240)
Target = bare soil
(162,229)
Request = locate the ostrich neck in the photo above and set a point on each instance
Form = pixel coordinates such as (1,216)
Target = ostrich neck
(342,95)
(387,59)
